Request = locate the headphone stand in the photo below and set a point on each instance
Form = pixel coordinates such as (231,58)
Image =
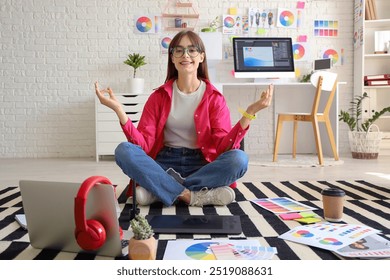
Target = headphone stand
(134,210)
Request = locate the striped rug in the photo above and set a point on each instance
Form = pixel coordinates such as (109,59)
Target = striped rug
(366,203)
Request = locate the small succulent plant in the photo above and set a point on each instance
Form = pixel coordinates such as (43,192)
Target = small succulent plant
(141,228)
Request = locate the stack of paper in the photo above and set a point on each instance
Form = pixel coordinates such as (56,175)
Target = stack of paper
(217,250)
(370,247)
(348,240)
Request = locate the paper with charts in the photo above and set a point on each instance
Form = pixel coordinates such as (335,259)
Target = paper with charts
(329,236)
(373,246)
(224,249)
(280,205)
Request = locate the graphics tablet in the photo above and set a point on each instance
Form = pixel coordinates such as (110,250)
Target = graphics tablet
(195,224)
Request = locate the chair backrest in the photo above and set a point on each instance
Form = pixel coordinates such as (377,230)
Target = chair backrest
(327,81)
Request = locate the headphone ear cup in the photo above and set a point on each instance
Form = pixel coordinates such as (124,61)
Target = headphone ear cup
(93,238)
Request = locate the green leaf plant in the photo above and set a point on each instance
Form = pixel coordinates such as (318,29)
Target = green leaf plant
(353,117)
(136,61)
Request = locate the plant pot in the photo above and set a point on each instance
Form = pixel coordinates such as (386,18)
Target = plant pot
(365,145)
(135,85)
(142,249)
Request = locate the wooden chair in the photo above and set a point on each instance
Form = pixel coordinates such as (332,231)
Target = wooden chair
(322,80)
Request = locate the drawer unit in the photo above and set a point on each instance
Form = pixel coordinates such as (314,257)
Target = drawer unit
(108,130)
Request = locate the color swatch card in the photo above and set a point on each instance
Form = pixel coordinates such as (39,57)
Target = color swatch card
(280,205)
(221,249)
(240,252)
(329,236)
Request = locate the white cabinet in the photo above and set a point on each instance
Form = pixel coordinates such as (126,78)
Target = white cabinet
(108,130)
(367,62)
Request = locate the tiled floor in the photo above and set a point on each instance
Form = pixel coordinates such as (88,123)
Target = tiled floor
(77,170)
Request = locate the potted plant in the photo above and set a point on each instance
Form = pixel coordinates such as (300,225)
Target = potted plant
(364,142)
(143,245)
(135,60)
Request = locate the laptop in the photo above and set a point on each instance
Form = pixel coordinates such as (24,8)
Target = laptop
(49,210)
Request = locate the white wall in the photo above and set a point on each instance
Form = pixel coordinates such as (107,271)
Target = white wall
(52,51)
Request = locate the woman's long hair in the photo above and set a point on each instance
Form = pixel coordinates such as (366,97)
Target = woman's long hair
(196,41)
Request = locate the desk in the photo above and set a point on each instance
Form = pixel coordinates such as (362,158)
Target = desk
(288,97)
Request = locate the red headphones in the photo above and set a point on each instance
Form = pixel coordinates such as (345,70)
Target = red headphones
(90,234)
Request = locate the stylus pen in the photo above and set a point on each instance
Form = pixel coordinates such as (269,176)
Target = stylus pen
(134,210)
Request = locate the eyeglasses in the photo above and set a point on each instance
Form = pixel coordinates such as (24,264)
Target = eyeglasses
(179,51)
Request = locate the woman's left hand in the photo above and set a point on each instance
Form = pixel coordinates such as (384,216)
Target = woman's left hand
(263,102)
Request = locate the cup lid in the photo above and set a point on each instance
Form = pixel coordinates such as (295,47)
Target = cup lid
(333,192)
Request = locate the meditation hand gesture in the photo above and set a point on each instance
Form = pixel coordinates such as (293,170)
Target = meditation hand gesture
(111,102)
(264,101)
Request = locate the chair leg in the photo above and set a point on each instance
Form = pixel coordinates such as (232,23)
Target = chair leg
(331,139)
(318,141)
(294,149)
(277,138)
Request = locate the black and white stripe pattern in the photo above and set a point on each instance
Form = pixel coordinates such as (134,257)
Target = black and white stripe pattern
(366,203)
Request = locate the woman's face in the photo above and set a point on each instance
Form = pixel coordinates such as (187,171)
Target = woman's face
(186,57)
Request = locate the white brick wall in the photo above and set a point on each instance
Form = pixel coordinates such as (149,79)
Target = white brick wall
(52,51)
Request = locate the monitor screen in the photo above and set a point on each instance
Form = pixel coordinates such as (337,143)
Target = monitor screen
(263,57)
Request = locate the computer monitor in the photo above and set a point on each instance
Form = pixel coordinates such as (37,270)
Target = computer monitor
(263,57)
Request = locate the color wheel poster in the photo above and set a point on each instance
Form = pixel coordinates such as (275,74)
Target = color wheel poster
(146,24)
(164,44)
(301,52)
(332,54)
(232,24)
(329,236)
(202,249)
(287,18)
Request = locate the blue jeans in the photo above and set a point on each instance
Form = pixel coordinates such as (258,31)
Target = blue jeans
(198,173)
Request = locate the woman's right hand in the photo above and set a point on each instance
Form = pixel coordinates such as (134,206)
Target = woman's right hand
(110,101)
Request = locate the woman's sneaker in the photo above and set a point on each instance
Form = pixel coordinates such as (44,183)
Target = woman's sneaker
(215,196)
(144,197)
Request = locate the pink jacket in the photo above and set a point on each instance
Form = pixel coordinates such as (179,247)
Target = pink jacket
(212,122)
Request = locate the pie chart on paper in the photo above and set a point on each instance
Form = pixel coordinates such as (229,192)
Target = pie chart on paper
(201,251)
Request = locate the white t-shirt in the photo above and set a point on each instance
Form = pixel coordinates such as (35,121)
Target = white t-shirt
(180,130)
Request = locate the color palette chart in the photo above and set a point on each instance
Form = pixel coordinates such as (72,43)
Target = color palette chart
(281,205)
(326,28)
(329,236)
(239,252)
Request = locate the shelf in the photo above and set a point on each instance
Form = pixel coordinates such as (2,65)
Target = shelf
(183,5)
(377,87)
(377,56)
(378,23)
(178,28)
(366,62)
(195,16)
(184,11)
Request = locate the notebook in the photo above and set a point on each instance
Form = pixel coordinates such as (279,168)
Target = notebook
(49,210)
